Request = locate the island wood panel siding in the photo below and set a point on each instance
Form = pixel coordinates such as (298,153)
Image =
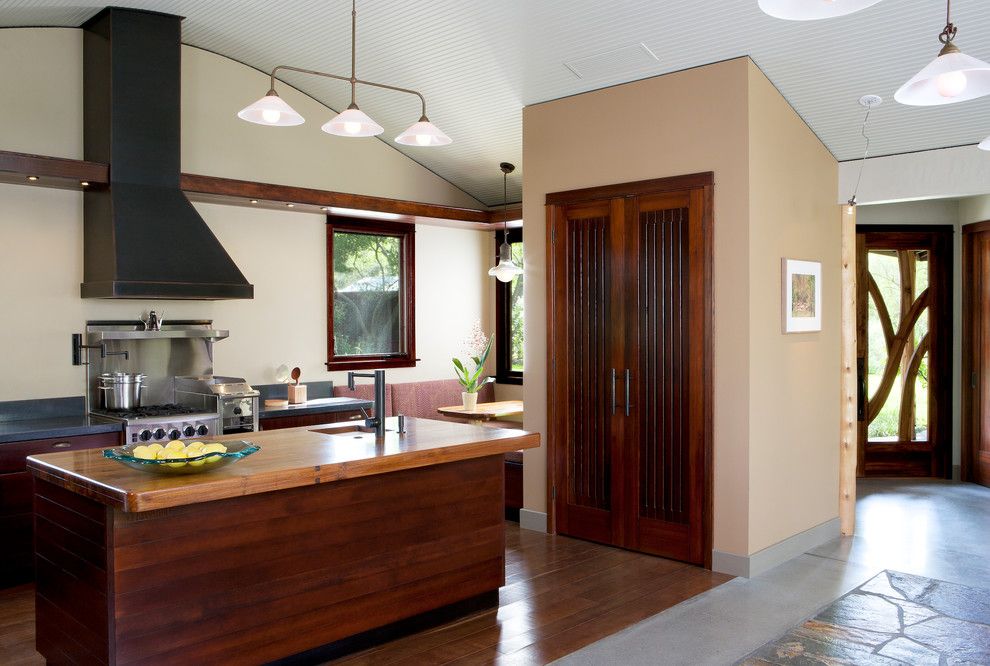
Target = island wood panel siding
(630,403)
(251,579)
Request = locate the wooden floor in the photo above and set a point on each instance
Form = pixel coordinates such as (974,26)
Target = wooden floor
(560,594)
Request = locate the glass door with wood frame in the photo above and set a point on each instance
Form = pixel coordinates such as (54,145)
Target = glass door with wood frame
(904,349)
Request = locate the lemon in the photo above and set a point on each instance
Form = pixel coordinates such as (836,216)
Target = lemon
(176,445)
(216,447)
(172,454)
(143,453)
(154,449)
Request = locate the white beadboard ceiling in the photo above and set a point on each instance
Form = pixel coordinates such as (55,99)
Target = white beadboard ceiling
(478,62)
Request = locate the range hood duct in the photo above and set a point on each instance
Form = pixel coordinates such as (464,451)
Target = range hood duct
(142,236)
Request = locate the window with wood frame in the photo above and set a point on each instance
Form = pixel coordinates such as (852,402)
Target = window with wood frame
(509,315)
(370,294)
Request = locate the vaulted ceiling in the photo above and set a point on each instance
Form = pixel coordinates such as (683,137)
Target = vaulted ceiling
(478,62)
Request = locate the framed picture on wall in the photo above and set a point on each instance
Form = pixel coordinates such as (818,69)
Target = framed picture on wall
(801,295)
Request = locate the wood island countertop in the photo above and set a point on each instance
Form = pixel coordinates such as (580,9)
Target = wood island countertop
(288,458)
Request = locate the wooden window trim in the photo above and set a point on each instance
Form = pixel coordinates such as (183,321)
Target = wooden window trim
(407,281)
(504,374)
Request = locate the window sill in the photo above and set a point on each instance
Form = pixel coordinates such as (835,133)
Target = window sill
(517,381)
(370,363)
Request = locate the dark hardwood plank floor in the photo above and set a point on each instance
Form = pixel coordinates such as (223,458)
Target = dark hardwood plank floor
(560,594)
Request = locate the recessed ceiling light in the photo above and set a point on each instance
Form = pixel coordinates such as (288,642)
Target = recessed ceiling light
(254,201)
(290,205)
(32,178)
(324,208)
(84,183)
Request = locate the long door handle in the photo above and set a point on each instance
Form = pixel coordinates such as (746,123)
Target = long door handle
(613,390)
(862,389)
(628,381)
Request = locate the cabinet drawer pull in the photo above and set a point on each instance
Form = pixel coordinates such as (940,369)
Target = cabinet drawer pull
(61,445)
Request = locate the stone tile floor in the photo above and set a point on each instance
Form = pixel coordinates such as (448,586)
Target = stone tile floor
(893,619)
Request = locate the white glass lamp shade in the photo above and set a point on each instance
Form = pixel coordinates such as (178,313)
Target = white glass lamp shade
(810,10)
(505,269)
(423,133)
(951,77)
(985,144)
(352,122)
(271,110)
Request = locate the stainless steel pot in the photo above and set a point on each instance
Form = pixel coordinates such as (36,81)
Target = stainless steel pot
(121,390)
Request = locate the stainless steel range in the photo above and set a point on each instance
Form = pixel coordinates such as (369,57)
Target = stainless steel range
(162,423)
(158,354)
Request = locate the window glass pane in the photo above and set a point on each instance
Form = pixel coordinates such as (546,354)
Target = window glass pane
(516,313)
(367,311)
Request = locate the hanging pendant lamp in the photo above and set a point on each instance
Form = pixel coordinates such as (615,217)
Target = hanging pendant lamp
(505,269)
(352,122)
(952,77)
(810,10)
(868,101)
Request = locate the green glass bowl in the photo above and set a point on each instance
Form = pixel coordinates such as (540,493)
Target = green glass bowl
(211,461)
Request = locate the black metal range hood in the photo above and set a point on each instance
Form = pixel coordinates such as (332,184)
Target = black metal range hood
(142,237)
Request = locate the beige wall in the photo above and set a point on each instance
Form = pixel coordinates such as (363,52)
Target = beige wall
(774,475)
(682,123)
(41,252)
(793,379)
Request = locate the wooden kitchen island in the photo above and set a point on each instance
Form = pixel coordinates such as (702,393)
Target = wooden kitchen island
(322,536)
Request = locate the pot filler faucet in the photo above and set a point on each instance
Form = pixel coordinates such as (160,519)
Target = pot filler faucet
(378,420)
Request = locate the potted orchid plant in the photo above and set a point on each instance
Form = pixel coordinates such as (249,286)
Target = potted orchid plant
(471,374)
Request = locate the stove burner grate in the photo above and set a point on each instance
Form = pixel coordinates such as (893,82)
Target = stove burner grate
(149,411)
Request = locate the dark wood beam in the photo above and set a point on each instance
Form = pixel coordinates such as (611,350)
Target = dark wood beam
(57,172)
(64,173)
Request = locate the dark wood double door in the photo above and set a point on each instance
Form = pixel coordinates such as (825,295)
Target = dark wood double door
(629,364)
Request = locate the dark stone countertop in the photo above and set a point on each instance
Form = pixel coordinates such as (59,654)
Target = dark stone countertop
(315,406)
(53,426)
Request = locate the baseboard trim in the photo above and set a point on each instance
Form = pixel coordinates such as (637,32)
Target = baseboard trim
(956,473)
(533,520)
(771,556)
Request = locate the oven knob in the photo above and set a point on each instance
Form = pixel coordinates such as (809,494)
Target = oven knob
(202,430)
(174,433)
(238,410)
(145,435)
(189,431)
(160,433)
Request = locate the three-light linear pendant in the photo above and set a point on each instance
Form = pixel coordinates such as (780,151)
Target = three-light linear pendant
(952,77)
(272,110)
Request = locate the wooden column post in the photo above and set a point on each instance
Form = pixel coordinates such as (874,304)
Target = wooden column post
(848,424)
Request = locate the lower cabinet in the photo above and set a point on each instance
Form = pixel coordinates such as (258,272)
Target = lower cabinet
(16,493)
(300,420)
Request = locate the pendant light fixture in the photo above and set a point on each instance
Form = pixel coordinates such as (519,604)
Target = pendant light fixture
(869,101)
(352,122)
(505,269)
(952,77)
(809,10)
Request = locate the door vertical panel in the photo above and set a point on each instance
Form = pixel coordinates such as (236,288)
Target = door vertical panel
(582,267)
(661,507)
(976,356)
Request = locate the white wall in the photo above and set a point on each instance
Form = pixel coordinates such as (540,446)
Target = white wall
(281,253)
(930,174)
(933,211)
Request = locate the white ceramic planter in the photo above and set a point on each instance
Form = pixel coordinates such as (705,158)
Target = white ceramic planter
(470,400)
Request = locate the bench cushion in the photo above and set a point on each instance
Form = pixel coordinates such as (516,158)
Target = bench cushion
(421,399)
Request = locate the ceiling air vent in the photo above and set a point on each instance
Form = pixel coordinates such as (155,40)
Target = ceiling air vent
(618,62)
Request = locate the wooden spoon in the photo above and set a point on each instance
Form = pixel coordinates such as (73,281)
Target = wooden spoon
(295,375)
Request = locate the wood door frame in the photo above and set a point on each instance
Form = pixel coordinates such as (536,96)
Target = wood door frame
(967,431)
(704,181)
(943,236)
